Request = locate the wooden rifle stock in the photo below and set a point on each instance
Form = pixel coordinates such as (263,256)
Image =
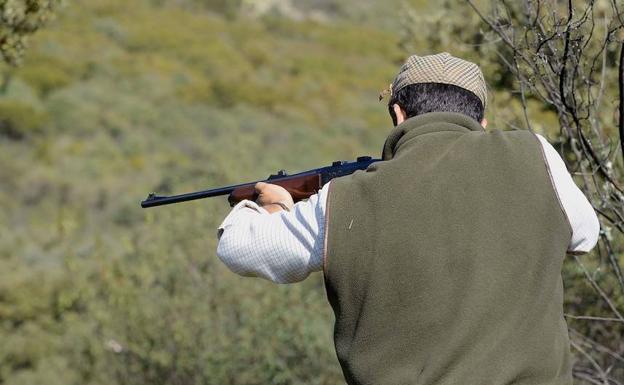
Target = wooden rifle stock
(301,185)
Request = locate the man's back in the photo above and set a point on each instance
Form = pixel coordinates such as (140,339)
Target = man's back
(443,263)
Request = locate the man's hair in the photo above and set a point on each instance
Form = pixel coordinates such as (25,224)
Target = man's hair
(420,98)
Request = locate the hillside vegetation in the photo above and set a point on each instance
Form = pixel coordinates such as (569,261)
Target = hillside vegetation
(116,99)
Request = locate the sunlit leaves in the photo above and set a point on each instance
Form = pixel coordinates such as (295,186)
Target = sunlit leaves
(18,20)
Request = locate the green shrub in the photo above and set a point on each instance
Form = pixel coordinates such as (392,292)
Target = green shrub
(19,119)
(46,75)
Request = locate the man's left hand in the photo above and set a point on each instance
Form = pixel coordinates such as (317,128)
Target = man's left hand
(270,194)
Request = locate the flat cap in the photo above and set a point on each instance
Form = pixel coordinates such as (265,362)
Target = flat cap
(441,68)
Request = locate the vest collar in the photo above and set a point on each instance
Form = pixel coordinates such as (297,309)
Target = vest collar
(424,124)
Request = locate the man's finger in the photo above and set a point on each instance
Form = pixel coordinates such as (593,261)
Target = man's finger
(260,186)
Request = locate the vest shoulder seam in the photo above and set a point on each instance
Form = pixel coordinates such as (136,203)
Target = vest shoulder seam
(326,227)
(552,184)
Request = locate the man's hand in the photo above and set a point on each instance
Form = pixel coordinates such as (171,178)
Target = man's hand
(270,194)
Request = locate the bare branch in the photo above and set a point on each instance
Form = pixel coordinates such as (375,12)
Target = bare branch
(621,90)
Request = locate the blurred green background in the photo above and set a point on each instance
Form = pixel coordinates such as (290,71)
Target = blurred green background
(115,99)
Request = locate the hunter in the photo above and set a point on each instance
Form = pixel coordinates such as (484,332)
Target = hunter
(442,262)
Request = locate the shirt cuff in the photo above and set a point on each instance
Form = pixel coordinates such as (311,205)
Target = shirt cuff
(244,206)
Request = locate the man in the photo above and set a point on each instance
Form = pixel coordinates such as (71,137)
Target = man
(443,262)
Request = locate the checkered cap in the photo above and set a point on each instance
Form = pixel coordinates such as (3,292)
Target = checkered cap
(441,68)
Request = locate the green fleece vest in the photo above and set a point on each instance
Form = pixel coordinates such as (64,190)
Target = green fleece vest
(443,263)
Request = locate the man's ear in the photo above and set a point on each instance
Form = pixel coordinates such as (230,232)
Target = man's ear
(484,123)
(399,112)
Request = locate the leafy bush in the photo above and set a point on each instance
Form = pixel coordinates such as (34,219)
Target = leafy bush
(20,18)
(18,119)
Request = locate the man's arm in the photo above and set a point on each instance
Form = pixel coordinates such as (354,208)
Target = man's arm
(263,240)
(580,213)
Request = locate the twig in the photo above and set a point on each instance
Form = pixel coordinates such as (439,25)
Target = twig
(621,90)
(595,345)
(601,371)
(586,317)
(598,289)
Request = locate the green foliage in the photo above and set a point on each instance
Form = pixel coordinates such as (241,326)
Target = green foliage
(20,18)
(114,101)
(46,73)
(18,119)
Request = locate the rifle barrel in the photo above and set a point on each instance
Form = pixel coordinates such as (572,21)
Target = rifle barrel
(157,200)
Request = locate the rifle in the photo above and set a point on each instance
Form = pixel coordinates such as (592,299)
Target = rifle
(301,185)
